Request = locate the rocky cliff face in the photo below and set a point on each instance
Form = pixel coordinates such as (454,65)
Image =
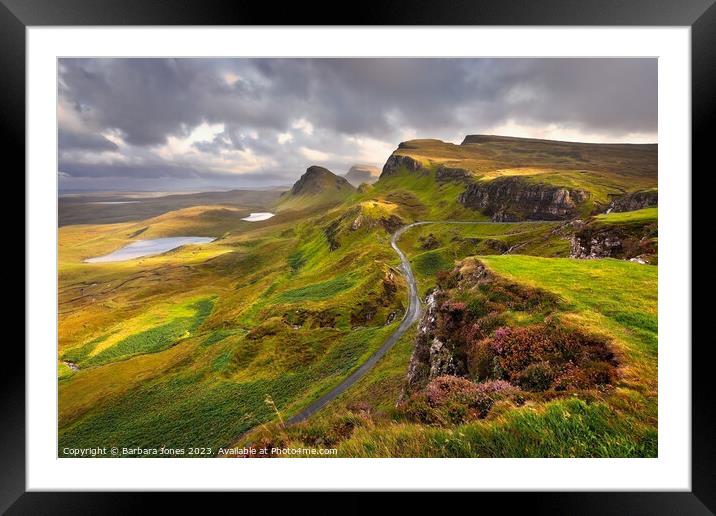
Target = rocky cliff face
(431,357)
(452,175)
(635,201)
(512,199)
(397,161)
(638,244)
(437,350)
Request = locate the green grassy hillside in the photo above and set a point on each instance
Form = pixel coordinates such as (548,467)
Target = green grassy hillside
(216,344)
(615,422)
(194,340)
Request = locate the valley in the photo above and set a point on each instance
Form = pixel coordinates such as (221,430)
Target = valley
(376,318)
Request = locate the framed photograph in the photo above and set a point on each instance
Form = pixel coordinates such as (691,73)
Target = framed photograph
(443,248)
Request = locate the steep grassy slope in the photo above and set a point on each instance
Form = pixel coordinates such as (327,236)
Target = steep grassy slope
(421,196)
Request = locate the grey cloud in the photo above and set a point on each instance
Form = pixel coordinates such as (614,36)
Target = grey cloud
(154,170)
(148,100)
(68,140)
(148,170)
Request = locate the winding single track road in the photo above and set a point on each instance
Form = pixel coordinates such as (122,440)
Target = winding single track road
(411,315)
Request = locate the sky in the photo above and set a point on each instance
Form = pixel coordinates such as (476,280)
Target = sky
(205,124)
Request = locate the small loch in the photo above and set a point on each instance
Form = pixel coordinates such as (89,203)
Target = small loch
(152,247)
(256,217)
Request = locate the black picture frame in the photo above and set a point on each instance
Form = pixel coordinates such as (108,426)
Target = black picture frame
(700,15)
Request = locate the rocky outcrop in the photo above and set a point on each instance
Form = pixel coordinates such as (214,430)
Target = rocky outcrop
(511,199)
(434,353)
(429,242)
(597,245)
(638,244)
(452,175)
(396,162)
(331,234)
(382,305)
(389,222)
(467,306)
(634,201)
(431,357)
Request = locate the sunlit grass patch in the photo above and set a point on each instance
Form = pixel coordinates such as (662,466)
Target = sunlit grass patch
(80,353)
(153,339)
(636,216)
(192,410)
(318,291)
(64,371)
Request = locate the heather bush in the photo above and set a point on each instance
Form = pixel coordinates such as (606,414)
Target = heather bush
(471,333)
(477,307)
(448,280)
(536,377)
(443,388)
(491,321)
(480,360)
(506,361)
(452,400)
(545,356)
(451,316)
(417,409)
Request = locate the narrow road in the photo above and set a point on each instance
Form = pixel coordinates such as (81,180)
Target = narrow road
(411,315)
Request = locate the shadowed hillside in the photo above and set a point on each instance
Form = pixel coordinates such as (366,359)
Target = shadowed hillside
(318,186)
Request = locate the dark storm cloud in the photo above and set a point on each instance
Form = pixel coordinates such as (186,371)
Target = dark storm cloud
(67,140)
(259,102)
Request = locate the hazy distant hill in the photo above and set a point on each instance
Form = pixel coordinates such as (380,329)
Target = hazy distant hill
(359,174)
(110,208)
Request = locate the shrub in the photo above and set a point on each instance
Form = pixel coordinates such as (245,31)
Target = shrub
(443,388)
(451,315)
(543,356)
(455,400)
(536,377)
(480,359)
(448,279)
(477,307)
(417,409)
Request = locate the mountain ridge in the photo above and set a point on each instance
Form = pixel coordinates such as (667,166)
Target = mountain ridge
(512,178)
